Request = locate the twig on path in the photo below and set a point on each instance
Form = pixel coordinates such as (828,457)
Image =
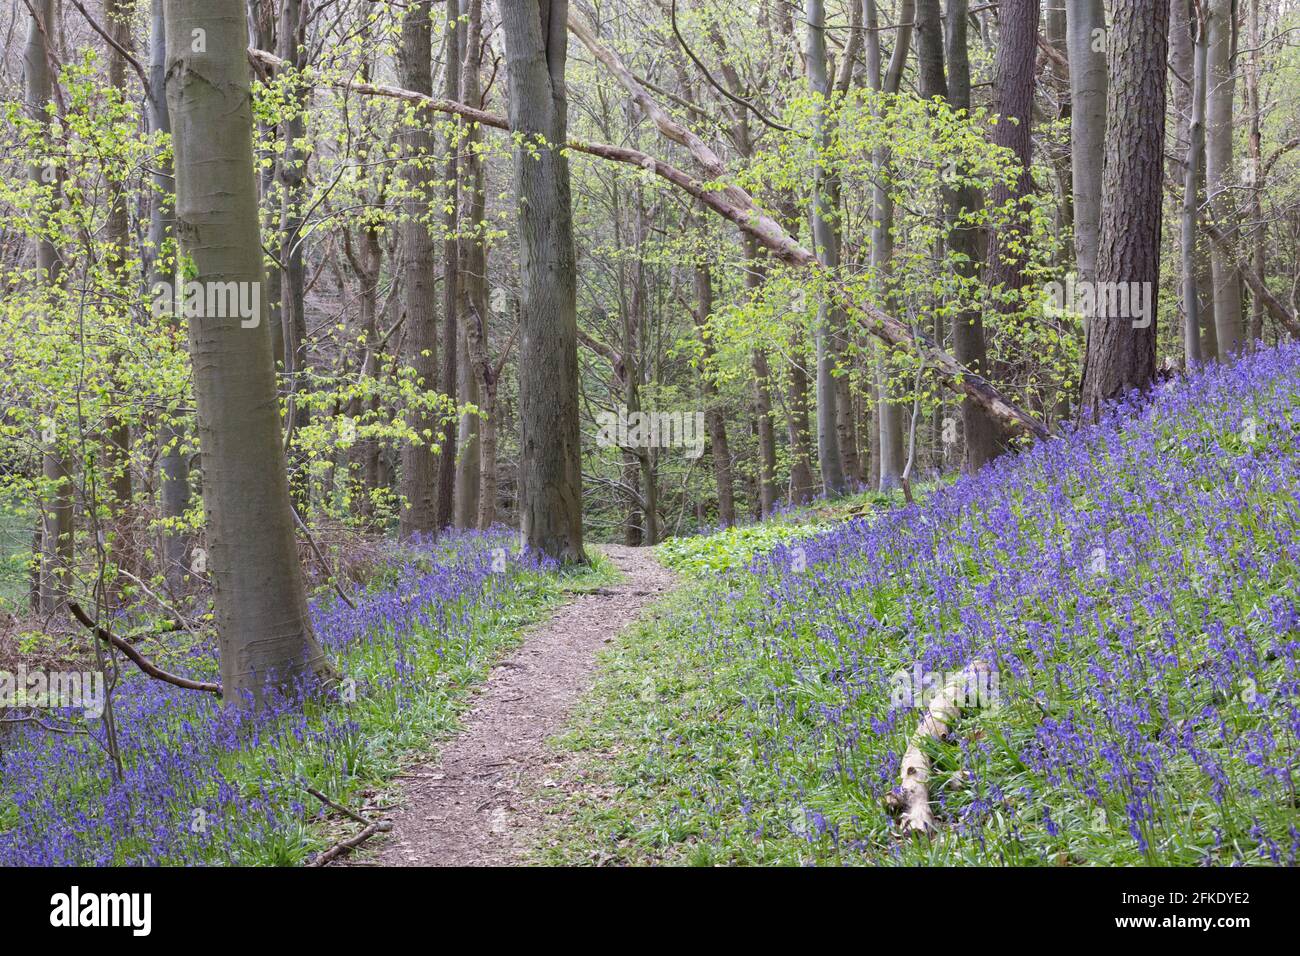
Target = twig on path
(371,827)
(347,846)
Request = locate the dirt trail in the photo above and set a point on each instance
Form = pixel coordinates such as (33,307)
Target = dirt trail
(472,806)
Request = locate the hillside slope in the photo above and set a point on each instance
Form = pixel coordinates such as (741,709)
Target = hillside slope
(1133,587)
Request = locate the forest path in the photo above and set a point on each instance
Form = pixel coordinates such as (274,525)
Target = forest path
(472,805)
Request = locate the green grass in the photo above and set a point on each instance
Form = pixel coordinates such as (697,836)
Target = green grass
(733,548)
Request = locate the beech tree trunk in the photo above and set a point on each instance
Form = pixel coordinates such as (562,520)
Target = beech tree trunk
(472,298)
(447,465)
(982,435)
(890,413)
(260,603)
(1121,352)
(1013,103)
(291,41)
(173,466)
(550,467)
(824,211)
(56,544)
(420,457)
(1219,176)
(713,416)
(1085,38)
(1193,173)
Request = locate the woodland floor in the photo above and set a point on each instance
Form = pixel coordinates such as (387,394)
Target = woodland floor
(477,803)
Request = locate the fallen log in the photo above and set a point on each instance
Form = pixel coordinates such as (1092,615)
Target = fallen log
(913,793)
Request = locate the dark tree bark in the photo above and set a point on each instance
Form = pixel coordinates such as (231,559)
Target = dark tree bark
(1013,103)
(550,467)
(1121,353)
(982,435)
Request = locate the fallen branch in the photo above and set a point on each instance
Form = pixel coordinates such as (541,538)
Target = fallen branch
(338,806)
(913,794)
(138,659)
(371,827)
(350,844)
(729,201)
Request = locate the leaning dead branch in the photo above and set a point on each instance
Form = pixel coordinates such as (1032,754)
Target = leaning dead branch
(138,659)
(729,201)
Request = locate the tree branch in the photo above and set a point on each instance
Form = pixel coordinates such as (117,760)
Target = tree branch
(138,659)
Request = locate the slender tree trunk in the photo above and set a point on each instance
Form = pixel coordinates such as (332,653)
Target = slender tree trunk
(1219,176)
(419,458)
(1255,158)
(260,603)
(969,348)
(1121,351)
(889,418)
(447,464)
(716,422)
(1192,173)
(799,428)
(173,465)
(550,467)
(824,211)
(56,528)
(291,40)
(473,294)
(117,230)
(1085,37)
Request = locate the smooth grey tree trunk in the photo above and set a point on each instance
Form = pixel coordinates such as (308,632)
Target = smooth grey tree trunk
(420,458)
(291,42)
(834,481)
(263,628)
(1192,173)
(1085,39)
(173,465)
(890,412)
(451,344)
(716,422)
(550,466)
(1121,353)
(1219,176)
(56,541)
